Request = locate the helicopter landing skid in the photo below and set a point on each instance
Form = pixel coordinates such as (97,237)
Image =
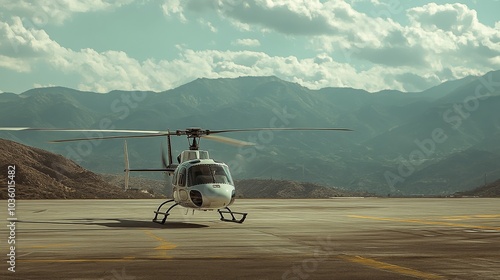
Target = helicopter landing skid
(233,219)
(165,214)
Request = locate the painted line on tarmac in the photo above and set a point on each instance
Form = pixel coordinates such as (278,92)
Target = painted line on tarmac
(471,217)
(164,246)
(162,250)
(57,245)
(129,259)
(423,222)
(391,267)
(125,259)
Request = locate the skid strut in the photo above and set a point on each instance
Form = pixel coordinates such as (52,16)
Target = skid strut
(165,214)
(233,219)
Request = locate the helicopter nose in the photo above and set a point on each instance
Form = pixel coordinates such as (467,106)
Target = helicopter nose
(218,195)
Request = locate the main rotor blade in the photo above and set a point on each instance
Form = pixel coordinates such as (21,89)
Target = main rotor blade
(82,130)
(154,133)
(14,128)
(227,140)
(277,128)
(108,137)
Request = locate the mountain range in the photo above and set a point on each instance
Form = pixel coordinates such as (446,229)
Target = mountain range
(438,141)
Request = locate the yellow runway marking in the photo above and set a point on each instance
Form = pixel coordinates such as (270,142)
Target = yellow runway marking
(391,267)
(470,217)
(423,222)
(48,246)
(164,245)
(125,259)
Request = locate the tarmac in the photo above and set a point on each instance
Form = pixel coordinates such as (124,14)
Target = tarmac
(338,238)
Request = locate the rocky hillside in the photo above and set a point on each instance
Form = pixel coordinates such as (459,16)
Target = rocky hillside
(259,188)
(160,187)
(247,188)
(44,175)
(490,190)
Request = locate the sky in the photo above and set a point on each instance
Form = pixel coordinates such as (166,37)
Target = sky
(104,45)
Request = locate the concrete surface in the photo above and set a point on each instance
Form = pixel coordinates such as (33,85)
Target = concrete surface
(343,238)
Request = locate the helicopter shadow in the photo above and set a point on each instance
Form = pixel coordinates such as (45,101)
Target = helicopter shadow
(119,223)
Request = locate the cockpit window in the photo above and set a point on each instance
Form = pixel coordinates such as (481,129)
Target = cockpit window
(209,174)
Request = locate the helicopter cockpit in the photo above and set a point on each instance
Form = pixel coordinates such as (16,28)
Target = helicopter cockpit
(209,174)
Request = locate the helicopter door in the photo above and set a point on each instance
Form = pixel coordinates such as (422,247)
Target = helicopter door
(181,183)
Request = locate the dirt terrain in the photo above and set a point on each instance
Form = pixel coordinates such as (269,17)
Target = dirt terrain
(43,175)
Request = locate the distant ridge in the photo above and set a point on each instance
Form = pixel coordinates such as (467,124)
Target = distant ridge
(268,188)
(248,188)
(44,175)
(436,142)
(490,190)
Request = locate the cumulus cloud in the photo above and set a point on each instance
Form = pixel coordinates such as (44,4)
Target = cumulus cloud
(41,12)
(439,42)
(14,64)
(174,7)
(290,17)
(437,36)
(295,17)
(115,70)
(457,18)
(109,70)
(453,37)
(246,42)
(208,24)
(20,47)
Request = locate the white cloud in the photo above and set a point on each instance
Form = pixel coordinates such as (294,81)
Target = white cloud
(246,42)
(14,64)
(208,24)
(457,18)
(41,12)
(109,70)
(36,85)
(449,34)
(173,7)
(20,47)
(440,42)
(115,70)
(453,37)
(335,19)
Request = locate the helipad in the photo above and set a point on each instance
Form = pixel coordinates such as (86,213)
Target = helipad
(359,238)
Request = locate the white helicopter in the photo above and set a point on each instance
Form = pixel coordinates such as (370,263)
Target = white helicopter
(198,182)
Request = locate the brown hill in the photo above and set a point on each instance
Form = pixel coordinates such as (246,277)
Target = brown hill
(44,175)
(247,188)
(490,190)
(161,188)
(259,188)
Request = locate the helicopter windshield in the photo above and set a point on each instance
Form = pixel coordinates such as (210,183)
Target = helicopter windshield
(209,174)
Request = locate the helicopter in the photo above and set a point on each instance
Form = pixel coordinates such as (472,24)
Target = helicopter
(198,181)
